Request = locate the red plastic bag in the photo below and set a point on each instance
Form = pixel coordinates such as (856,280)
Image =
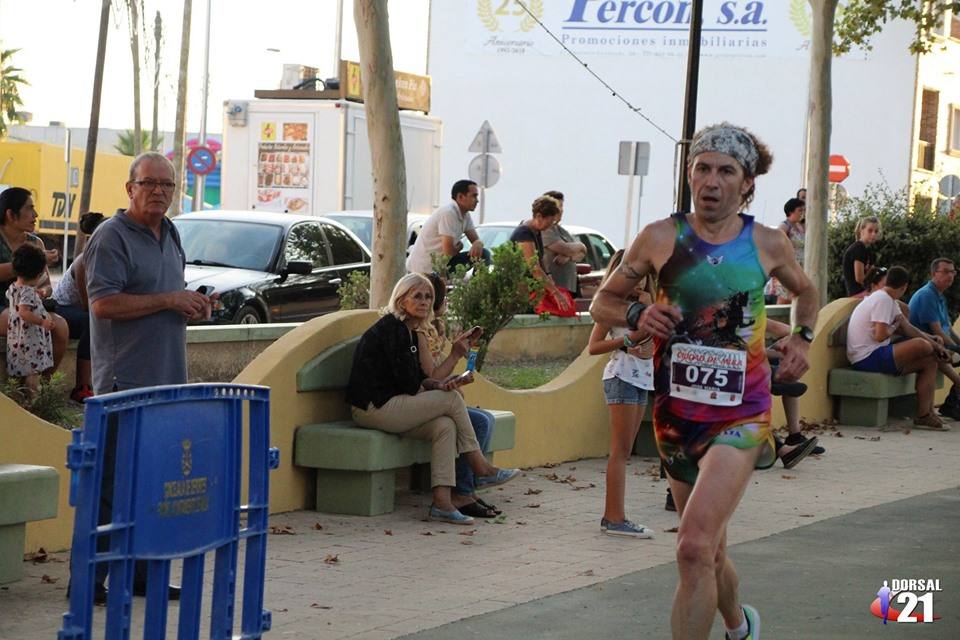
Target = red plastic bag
(549,304)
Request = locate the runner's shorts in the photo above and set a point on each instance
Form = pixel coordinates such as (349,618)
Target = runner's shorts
(682,443)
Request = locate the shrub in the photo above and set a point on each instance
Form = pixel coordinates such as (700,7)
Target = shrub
(355,291)
(909,237)
(48,403)
(490,297)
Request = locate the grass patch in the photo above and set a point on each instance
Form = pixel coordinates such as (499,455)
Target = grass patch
(524,374)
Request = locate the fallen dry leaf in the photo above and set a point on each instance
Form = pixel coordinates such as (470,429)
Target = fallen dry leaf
(671,530)
(280,610)
(318,526)
(786,477)
(588,572)
(331,559)
(551,465)
(466,542)
(521,522)
(38,557)
(45,579)
(552,477)
(320,606)
(533,505)
(806,515)
(533,492)
(838,434)
(426,533)
(282,530)
(468,533)
(388,532)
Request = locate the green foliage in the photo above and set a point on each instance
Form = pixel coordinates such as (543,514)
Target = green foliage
(10,83)
(862,19)
(492,296)
(48,403)
(525,375)
(910,238)
(125,139)
(355,291)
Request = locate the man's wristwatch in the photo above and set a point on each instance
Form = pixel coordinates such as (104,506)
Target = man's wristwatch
(633,314)
(805,333)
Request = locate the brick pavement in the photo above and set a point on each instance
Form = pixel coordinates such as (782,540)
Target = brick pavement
(397,574)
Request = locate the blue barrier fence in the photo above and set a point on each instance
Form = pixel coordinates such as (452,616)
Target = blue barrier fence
(176,455)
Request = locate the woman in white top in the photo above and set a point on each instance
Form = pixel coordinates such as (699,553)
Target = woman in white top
(626,379)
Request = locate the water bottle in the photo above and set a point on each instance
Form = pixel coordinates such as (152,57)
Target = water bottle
(472,359)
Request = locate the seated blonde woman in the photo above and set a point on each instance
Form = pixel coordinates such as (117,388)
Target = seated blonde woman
(389,391)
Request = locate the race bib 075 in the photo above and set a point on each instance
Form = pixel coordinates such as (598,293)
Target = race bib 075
(707,375)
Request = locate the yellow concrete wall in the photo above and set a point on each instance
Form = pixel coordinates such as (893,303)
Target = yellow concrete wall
(26,439)
(553,339)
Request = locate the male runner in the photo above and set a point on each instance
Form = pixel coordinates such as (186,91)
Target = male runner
(712,410)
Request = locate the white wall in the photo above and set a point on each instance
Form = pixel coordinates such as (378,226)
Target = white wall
(560,128)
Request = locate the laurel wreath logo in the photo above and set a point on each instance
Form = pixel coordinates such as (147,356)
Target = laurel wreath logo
(485,13)
(800,17)
(528,22)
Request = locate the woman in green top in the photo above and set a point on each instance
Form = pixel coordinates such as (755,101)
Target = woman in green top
(18,220)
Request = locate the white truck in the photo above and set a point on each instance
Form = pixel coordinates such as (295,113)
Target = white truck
(313,157)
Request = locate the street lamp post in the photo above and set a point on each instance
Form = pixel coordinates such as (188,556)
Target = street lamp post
(198,180)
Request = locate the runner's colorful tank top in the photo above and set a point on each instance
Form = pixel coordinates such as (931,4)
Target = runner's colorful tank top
(714,368)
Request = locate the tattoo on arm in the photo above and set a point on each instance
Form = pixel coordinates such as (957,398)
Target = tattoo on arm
(629,271)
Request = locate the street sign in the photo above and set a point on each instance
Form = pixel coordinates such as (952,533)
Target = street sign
(202,160)
(634,158)
(950,186)
(485,141)
(484,176)
(839,168)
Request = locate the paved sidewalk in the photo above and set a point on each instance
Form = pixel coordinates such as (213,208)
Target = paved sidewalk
(392,575)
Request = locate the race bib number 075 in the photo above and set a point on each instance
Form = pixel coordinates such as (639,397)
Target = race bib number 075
(707,375)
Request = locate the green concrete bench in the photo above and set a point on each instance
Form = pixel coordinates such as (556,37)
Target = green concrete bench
(356,467)
(867,399)
(27,493)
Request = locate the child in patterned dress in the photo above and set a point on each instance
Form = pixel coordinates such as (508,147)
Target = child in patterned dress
(29,341)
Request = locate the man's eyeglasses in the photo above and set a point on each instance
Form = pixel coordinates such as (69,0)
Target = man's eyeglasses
(151,185)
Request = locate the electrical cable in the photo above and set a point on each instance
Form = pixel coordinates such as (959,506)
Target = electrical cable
(613,91)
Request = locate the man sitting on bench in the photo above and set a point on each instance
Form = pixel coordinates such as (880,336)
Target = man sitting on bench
(928,312)
(872,324)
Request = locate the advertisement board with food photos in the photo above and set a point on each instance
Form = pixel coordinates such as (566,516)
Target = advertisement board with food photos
(283,167)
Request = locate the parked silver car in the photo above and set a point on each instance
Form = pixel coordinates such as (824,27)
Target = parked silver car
(360,222)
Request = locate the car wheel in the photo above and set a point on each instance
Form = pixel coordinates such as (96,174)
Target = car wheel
(249,315)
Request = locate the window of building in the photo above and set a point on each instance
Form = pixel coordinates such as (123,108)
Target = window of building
(929,106)
(953,135)
(955,25)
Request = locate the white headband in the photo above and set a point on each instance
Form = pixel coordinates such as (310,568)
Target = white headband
(730,140)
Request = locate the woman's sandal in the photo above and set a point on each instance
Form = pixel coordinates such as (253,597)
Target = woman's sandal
(491,507)
(477,510)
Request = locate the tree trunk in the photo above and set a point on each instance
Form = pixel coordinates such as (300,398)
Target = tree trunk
(818,158)
(386,149)
(91,153)
(179,132)
(157,44)
(134,15)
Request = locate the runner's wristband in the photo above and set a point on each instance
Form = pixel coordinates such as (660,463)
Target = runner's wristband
(633,314)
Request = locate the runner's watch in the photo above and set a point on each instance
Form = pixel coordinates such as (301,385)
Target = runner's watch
(805,332)
(633,314)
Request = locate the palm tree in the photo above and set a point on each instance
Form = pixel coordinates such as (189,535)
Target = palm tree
(10,83)
(134,9)
(126,142)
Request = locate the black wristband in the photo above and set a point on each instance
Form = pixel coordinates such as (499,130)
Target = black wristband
(633,314)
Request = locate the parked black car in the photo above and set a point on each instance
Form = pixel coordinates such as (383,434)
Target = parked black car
(269,267)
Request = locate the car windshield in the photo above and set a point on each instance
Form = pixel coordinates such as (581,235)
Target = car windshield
(228,243)
(494,236)
(361,226)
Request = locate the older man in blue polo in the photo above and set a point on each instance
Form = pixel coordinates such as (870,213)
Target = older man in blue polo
(928,312)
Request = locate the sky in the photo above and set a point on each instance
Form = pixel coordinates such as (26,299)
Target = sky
(250,41)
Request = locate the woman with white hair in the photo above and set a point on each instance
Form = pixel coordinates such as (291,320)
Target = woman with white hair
(389,391)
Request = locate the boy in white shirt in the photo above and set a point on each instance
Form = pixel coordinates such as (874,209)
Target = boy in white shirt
(872,324)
